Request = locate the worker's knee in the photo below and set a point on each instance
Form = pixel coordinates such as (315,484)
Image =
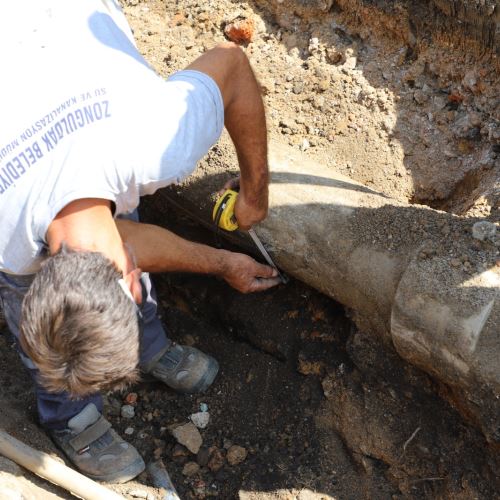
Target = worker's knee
(231,52)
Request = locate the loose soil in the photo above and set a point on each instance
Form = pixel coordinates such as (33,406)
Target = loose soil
(322,409)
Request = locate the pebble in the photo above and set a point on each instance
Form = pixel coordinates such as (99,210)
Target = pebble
(203,456)
(236,454)
(200,489)
(129,431)
(131,398)
(190,469)
(200,419)
(484,230)
(203,407)
(189,436)
(241,31)
(216,460)
(127,411)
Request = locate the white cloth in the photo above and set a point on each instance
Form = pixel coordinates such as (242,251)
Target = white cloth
(83,116)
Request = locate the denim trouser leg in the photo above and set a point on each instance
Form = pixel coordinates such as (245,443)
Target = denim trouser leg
(55,409)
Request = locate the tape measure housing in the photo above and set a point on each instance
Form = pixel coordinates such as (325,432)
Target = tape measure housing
(223,213)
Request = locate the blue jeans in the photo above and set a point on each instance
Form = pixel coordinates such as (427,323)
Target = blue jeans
(55,409)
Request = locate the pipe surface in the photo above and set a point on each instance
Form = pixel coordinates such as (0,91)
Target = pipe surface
(413,275)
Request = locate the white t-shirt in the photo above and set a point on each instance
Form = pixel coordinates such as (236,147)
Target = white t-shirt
(83,116)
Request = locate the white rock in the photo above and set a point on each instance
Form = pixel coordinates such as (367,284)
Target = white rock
(127,411)
(200,419)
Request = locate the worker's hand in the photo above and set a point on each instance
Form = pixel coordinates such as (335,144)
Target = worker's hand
(247,275)
(250,208)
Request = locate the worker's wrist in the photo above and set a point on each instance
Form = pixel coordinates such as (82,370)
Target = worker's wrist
(222,262)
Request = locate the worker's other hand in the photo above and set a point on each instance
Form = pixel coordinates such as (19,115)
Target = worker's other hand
(247,275)
(250,208)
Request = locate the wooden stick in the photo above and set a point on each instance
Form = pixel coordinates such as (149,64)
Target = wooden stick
(48,468)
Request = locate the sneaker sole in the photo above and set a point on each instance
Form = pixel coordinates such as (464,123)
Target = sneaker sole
(122,476)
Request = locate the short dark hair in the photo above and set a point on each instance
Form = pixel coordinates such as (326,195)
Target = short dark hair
(78,326)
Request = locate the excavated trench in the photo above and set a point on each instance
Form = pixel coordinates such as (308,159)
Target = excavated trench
(379,113)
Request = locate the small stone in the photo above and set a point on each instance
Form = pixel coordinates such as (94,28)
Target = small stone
(333,56)
(240,32)
(131,398)
(484,230)
(189,436)
(236,454)
(203,456)
(200,419)
(203,407)
(190,469)
(455,262)
(216,460)
(129,431)
(227,443)
(200,489)
(127,411)
(305,145)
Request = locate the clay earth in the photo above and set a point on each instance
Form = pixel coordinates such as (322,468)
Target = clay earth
(307,405)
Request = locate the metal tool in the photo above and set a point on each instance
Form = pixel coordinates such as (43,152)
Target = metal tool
(223,215)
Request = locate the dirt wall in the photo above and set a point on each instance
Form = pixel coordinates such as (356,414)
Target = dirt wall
(468,23)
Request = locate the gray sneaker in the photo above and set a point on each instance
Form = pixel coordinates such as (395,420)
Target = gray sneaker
(185,369)
(96,449)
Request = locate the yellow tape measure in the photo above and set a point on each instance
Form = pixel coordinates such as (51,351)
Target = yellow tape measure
(223,213)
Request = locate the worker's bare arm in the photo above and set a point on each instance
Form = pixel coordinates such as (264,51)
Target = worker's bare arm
(245,121)
(159,250)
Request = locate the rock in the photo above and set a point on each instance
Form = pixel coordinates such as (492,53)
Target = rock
(236,455)
(333,56)
(305,145)
(190,469)
(127,411)
(129,431)
(420,96)
(484,230)
(216,460)
(203,407)
(200,489)
(240,32)
(131,398)
(189,436)
(202,457)
(200,419)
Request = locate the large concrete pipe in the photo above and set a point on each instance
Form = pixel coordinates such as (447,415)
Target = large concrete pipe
(413,275)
